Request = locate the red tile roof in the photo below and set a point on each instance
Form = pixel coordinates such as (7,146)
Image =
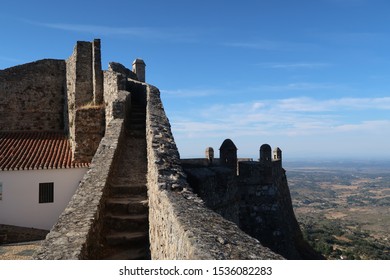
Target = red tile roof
(35,150)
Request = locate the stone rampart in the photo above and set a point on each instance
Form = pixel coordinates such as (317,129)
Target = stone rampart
(217,187)
(69,96)
(32,96)
(181,226)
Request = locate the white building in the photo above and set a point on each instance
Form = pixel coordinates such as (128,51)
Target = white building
(37,178)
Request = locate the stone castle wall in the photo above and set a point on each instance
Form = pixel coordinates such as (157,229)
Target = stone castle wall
(80,99)
(85,99)
(33,96)
(217,186)
(266,210)
(256,197)
(181,226)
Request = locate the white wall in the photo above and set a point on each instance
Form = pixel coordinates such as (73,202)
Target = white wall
(20,200)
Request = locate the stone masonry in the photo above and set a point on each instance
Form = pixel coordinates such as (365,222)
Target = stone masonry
(85,100)
(253,194)
(32,96)
(116,119)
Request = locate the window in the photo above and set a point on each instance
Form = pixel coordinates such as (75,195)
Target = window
(1,191)
(46,192)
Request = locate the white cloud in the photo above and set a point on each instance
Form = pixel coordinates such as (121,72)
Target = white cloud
(292,116)
(305,104)
(140,32)
(301,86)
(271,45)
(134,31)
(185,93)
(331,127)
(259,45)
(375,126)
(297,65)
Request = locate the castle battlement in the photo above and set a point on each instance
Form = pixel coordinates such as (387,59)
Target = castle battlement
(224,208)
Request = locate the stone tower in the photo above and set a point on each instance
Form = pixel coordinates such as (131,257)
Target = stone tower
(265,154)
(139,69)
(84,86)
(266,162)
(228,154)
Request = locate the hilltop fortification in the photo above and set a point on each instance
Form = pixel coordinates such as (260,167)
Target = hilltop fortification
(139,199)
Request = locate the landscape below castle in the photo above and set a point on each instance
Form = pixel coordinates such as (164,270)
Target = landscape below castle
(136,198)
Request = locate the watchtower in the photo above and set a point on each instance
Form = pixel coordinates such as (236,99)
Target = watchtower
(265,154)
(228,154)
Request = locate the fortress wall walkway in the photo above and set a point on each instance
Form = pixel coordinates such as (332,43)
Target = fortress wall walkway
(180,226)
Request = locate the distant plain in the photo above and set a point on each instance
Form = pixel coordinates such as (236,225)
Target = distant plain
(343,206)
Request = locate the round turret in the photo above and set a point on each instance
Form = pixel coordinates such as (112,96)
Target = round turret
(228,154)
(265,153)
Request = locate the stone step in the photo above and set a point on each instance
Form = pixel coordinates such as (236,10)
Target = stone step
(129,222)
(138,112)
(128,190)
(128,205)
(131,174)
(118,253)
(137,126)
(140,238)
(138,122)
(126,224)
(136,134)
(138,107)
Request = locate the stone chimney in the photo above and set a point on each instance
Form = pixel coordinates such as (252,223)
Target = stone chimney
(277,154)
(139,69)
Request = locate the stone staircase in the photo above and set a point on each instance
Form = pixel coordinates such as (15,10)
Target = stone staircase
(126,218)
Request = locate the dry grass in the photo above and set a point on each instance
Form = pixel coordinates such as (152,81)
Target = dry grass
(19,251)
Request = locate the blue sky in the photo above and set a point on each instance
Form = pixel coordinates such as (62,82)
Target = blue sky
(309,76)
